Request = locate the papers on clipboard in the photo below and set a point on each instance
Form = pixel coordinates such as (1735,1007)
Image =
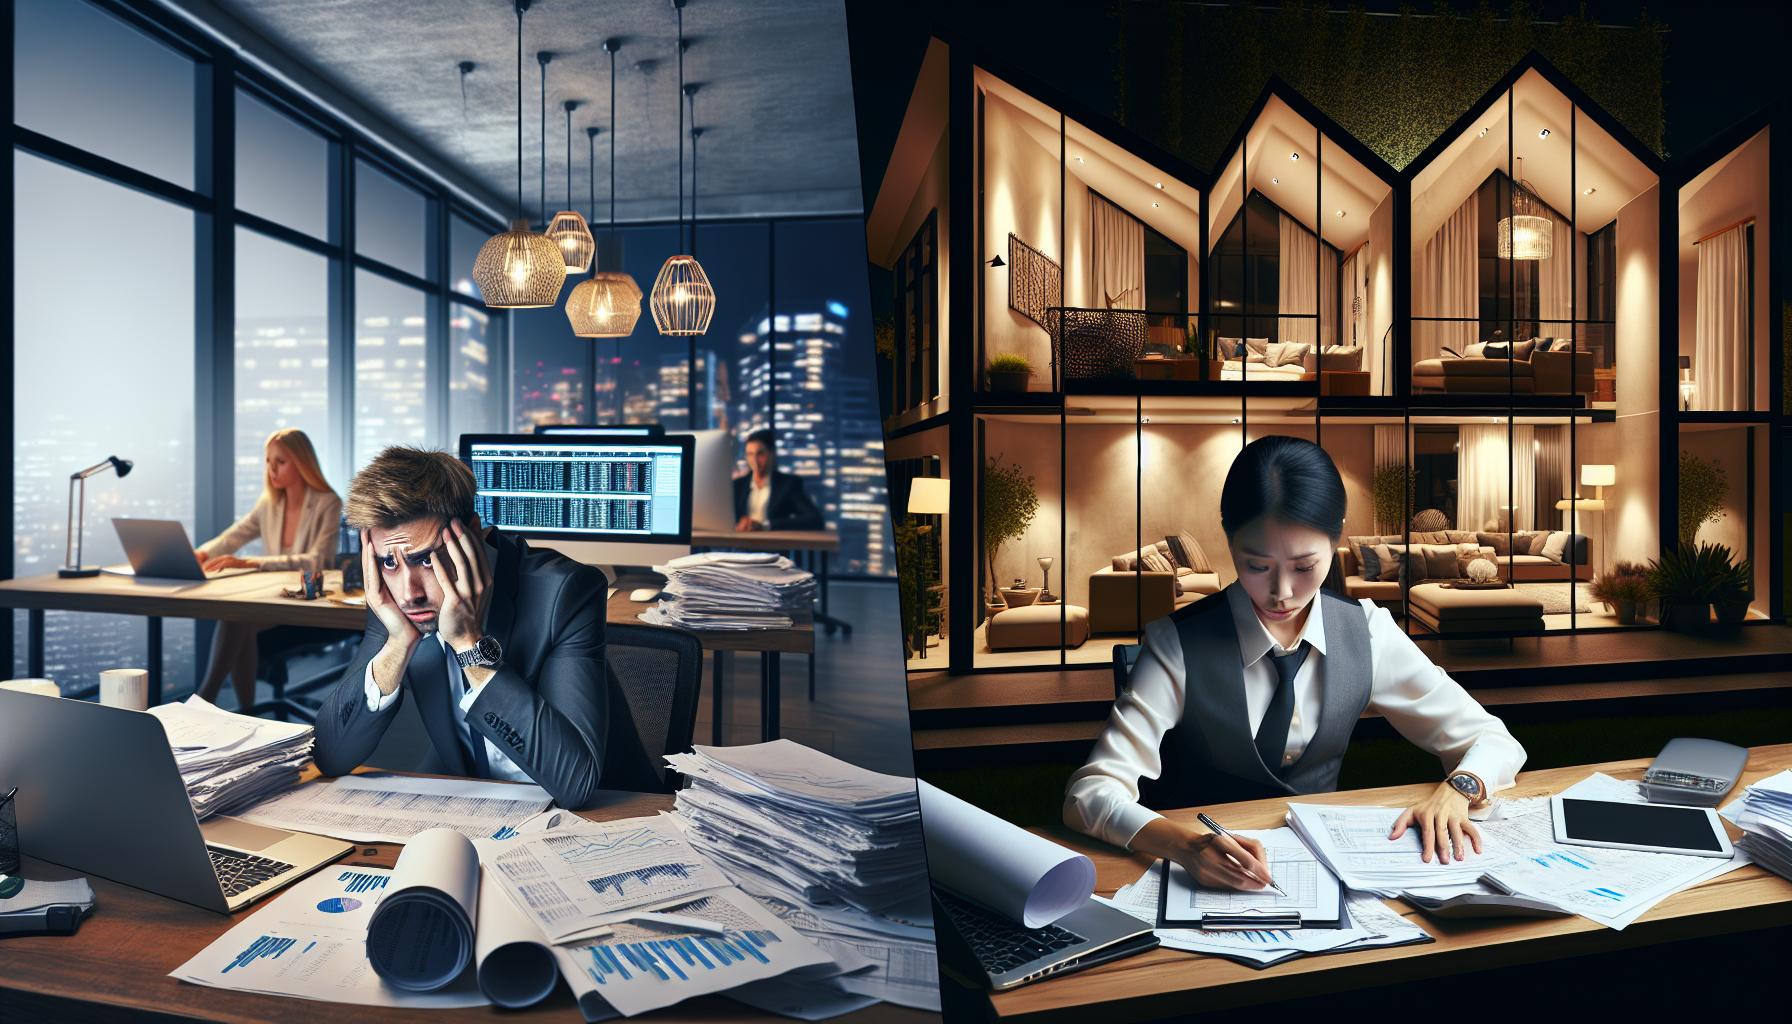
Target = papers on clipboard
(1314,900)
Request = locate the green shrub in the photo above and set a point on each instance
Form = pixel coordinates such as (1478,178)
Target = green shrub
(1010,362)
(1703,489)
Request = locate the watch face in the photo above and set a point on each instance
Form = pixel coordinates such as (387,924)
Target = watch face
(488,650)
(1465,784)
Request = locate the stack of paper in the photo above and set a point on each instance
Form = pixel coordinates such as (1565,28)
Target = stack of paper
(1353,842)
(31,900)
(1765,814)
(831,849)
(230,761)
(731,590)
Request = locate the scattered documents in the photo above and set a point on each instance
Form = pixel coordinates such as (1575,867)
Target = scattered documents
(1314,898)
(1764,814)
(230,761)
(830,850)
(731,590)
(393,808)
(1353,842)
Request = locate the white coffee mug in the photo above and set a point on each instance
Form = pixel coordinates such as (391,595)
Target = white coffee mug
(126,688)
(46,687)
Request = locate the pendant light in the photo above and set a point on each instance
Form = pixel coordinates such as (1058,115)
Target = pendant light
(608,303)
(1528,233)
(519,269)
(683,300)
(568,229)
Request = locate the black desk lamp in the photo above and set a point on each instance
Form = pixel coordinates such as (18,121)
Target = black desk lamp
(77,515)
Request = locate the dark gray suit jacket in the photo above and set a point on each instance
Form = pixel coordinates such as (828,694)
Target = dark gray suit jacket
(550,706)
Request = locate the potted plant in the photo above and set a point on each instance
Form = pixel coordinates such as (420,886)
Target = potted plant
(1623,589)
(1009,371)
(1686,580)
(1703,490)
(1731,599)
(1394,486)
(915,574)
(1009,505)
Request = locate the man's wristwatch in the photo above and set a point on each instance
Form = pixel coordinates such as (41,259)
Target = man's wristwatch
(1468,786)
(486,652)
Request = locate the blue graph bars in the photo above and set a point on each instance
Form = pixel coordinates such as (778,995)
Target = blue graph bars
(360,881)
(669,958)
(642,877)
(267,946)
(1559,859)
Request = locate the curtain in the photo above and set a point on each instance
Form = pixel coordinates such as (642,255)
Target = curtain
(1117,269)
(1328,295)
(1390,445)
(1448,284)
(1555,281)
(1552,473)
(1481,484)
(1720,352)
(1355,298)
(1298,286)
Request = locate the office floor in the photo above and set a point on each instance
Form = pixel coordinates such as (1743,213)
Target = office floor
(860,711)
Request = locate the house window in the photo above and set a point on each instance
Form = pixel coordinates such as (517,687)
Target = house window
(918,317)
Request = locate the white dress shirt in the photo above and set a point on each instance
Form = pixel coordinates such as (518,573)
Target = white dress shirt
(757,499)
(313,539)
(1418,699)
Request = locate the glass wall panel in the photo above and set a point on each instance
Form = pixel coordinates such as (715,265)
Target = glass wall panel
(474,403)
(282,168)
(1113,572)
(1021,217)
(391,378)
(1186,447)
(464,242)
(391,221)
(1726,324)
(550,370)
(282,357)
(90,386)
(1020,516)
(1724,493)
(641,378)
(85,77)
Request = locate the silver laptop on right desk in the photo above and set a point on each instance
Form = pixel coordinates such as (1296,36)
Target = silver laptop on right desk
(991,949)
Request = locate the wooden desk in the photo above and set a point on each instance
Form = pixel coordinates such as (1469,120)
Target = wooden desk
(116,967)
(1166,982)
(770,644)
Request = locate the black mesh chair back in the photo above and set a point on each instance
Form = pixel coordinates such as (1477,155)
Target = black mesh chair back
(655,673)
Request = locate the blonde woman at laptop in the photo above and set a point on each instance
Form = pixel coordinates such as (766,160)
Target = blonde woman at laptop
(296,519)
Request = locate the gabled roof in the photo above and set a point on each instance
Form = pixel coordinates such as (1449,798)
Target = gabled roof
(1683,169)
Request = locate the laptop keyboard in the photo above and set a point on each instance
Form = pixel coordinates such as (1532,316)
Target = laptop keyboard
(239,872)
(1001,945)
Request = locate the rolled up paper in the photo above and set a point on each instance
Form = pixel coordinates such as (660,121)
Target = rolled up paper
(420,937)
(1003,867)
(511,956)
(42,687)
(126,688)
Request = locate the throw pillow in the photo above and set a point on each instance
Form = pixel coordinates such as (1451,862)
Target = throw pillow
(1524,348)
(1368,562)
(1496,541)
(1466,553)
(1461,536)
(1496,350)
(1555,545)
(1538,540)
(1393,563)
(1439,561)
(1157,561)
(1192,555)
(1431,536)
(1229,347)
(1477,350)
(1256,346)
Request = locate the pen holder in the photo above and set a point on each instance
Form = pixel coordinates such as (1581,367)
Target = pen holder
(311,585)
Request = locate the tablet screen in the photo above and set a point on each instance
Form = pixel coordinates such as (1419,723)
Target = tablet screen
(1682,828)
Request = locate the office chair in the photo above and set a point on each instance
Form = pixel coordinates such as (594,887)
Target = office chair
(656,672)
(282,646)
(1125,656)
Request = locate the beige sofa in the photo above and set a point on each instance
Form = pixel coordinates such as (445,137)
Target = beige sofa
(1122,598)
(1544,373)
(1576,564)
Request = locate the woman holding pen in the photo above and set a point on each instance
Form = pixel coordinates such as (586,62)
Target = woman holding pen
(1253,692)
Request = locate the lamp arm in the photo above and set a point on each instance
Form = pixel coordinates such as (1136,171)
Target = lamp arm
(90,470)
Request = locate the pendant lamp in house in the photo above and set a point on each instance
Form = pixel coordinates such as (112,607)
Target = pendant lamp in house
(519,269)
(1527,233)
(683,300)
(608,303)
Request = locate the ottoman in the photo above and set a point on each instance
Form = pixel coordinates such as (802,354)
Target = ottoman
(1036,625)
(1448,610)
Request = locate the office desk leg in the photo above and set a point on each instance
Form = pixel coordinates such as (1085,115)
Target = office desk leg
(822,616)
(719,667)
(770,695)
(155,660)
(34,643)
(811,675)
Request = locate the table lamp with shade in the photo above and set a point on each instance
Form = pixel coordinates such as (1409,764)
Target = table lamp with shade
(1687,387)
(77,514)
(928,496)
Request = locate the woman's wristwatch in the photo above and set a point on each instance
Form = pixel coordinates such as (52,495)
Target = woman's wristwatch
(1469,786)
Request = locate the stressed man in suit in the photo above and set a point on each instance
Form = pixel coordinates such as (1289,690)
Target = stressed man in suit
(768,499)
(501,646)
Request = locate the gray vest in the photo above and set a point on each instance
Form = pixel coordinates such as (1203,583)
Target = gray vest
(1211,755)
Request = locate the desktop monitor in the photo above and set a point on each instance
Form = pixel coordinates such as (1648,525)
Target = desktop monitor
(602,429)
(713,476)
(600,500)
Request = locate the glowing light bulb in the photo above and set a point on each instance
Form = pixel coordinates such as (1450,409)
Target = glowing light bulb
(681,294)
(518,264)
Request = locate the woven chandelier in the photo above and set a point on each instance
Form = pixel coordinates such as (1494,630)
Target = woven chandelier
(608,303)
(568,228)
(1529,232)
(683,300)
(519,269)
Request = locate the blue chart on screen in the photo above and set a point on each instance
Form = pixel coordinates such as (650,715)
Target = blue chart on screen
(339,905)
(678,957)
(361,881)
(266,946)
(654,876)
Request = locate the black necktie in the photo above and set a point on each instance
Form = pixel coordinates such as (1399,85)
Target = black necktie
(1272,732)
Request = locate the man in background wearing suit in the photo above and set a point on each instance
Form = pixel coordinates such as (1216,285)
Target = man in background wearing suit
(767,499)
(501,646)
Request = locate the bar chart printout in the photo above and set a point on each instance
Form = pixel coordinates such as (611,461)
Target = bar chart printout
(641,966)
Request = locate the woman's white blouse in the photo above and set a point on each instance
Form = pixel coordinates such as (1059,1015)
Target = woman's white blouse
(1418,698)
(314,541)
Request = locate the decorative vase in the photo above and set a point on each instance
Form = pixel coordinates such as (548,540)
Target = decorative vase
(1009,380)
(1686,617)
(1626,612)
(1731,612)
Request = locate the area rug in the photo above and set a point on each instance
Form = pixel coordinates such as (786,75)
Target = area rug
(1555,597)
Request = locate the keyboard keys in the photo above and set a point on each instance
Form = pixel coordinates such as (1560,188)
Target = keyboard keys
(238,872)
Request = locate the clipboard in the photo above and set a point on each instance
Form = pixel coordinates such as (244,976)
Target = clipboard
(1326,910)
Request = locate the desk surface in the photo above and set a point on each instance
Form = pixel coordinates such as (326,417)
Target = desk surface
(116,966)
(798,639)
(768,540)
(1164,982)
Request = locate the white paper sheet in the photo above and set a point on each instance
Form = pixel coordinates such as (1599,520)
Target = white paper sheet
(514,965)
(1354,843)
(420,937)
(393,808)
(1312,890)
(1004,867)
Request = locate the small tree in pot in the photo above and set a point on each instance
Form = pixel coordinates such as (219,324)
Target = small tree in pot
(1009,505)
(1394,485)
(1703,490)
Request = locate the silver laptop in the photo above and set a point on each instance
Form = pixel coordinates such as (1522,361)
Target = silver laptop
(980,945)
(159,548)
(99,792)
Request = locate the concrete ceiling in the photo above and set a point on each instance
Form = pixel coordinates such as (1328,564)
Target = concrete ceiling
(775,102)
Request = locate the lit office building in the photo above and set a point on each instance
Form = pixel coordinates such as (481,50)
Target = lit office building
(674,392)
(391,383)
(282,380)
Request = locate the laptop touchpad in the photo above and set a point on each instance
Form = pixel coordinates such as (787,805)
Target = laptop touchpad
(242,834)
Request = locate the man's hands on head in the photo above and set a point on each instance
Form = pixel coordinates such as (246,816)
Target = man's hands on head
(465,579)
(401,633)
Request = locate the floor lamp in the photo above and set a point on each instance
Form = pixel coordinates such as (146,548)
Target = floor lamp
(928,496)
(1598,477)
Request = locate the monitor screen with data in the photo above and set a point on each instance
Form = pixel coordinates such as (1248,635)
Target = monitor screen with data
(581,488)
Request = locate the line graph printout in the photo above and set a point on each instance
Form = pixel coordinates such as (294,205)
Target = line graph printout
(393,808)
(311,942)
(573,879)
(643,966)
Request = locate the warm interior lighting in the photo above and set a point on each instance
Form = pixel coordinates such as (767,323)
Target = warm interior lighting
(570,233)
(930,496)
(519,269)
(683,301)
(1294,156)
(1543,134)
(605,305)
(1528,233)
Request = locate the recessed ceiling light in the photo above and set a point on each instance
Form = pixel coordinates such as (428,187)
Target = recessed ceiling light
(1340,213)
(1543,133)
(1590,190)
(1154,206)
(1235,419)
(1294,156)
(1275,181)
(1079,159)
(1483,134)
(1160,185)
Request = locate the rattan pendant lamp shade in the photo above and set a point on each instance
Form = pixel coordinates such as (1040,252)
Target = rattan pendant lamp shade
(519,269)
(608,303)
(1529,233)
(568,228)
(683,300)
